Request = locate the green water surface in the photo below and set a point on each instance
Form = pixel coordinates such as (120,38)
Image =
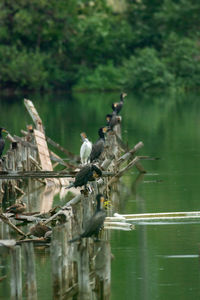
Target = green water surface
(154,261)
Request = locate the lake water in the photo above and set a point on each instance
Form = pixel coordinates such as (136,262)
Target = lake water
(157,260)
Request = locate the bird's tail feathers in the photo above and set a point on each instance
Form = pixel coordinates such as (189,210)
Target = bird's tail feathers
(75,239)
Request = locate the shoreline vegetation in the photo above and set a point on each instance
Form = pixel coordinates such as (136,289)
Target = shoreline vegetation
(89,46)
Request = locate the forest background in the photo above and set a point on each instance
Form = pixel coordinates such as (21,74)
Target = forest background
(97,45)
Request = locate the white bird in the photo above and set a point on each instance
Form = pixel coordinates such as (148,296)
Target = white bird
(86,149)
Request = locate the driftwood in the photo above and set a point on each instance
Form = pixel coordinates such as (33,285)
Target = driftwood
(59,147)
(59,160)
(9,223)
(16,273)
(34,114)
(38,241)
(42,174)
(7,243)
(72,202)
(25,143)
(29,259)
(129,154)
(122,171)
(118,225)
(162,216)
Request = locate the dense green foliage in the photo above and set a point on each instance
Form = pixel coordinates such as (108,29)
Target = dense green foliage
(84,44)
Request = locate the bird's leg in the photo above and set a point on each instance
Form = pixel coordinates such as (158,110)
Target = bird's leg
(89,189)
(85,191)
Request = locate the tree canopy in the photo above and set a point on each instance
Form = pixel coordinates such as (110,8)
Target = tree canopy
(83,44)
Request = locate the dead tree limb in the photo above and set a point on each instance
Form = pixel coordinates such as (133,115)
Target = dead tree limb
(59,147)
(72,202)
(130,153)
(9,223)
(34,115)
(122,171)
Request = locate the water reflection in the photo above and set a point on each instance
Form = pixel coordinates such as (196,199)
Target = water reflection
(154,261)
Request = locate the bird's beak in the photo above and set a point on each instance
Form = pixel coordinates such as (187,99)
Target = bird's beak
(105,129)
(115,104)
(95,174)
(4,130)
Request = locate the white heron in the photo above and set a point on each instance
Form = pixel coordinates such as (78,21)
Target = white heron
(86,149)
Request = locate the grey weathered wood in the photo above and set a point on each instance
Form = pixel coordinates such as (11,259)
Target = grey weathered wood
(10,138)
(72,202)
(34,114)
(83,272)
(10,224)
(103,269)
(7,243)
(59,147)
(42,174)
(16,273)
(30,274)
(25,143)
(129,154)
(122,171)
(56,259)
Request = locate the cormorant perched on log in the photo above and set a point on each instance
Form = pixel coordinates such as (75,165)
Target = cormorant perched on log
(86,149)
(98,147)
(87,173)
(2,142)
(117,106)
(17,208)
(112,120)
(95,223)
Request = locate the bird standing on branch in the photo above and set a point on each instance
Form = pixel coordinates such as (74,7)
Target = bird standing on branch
(87,173)
(112,120)
(86,149)
(98,147)
(17,208)
(117,106)
(96,221)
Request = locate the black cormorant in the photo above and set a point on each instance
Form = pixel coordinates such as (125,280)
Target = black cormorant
(98,147)
(117,106)
(85,149)
(95,223)
(2,142)
(112,120)
(87,173)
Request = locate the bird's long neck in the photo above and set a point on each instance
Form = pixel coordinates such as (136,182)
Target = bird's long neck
(98,205)
(101,135)
(121,98)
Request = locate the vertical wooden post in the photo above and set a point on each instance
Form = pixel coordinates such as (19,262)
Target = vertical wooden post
(83,255)
(67,253)
(56,259)
(30,276)
(102,269)
(83,273)
(65,258)
(16,273)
